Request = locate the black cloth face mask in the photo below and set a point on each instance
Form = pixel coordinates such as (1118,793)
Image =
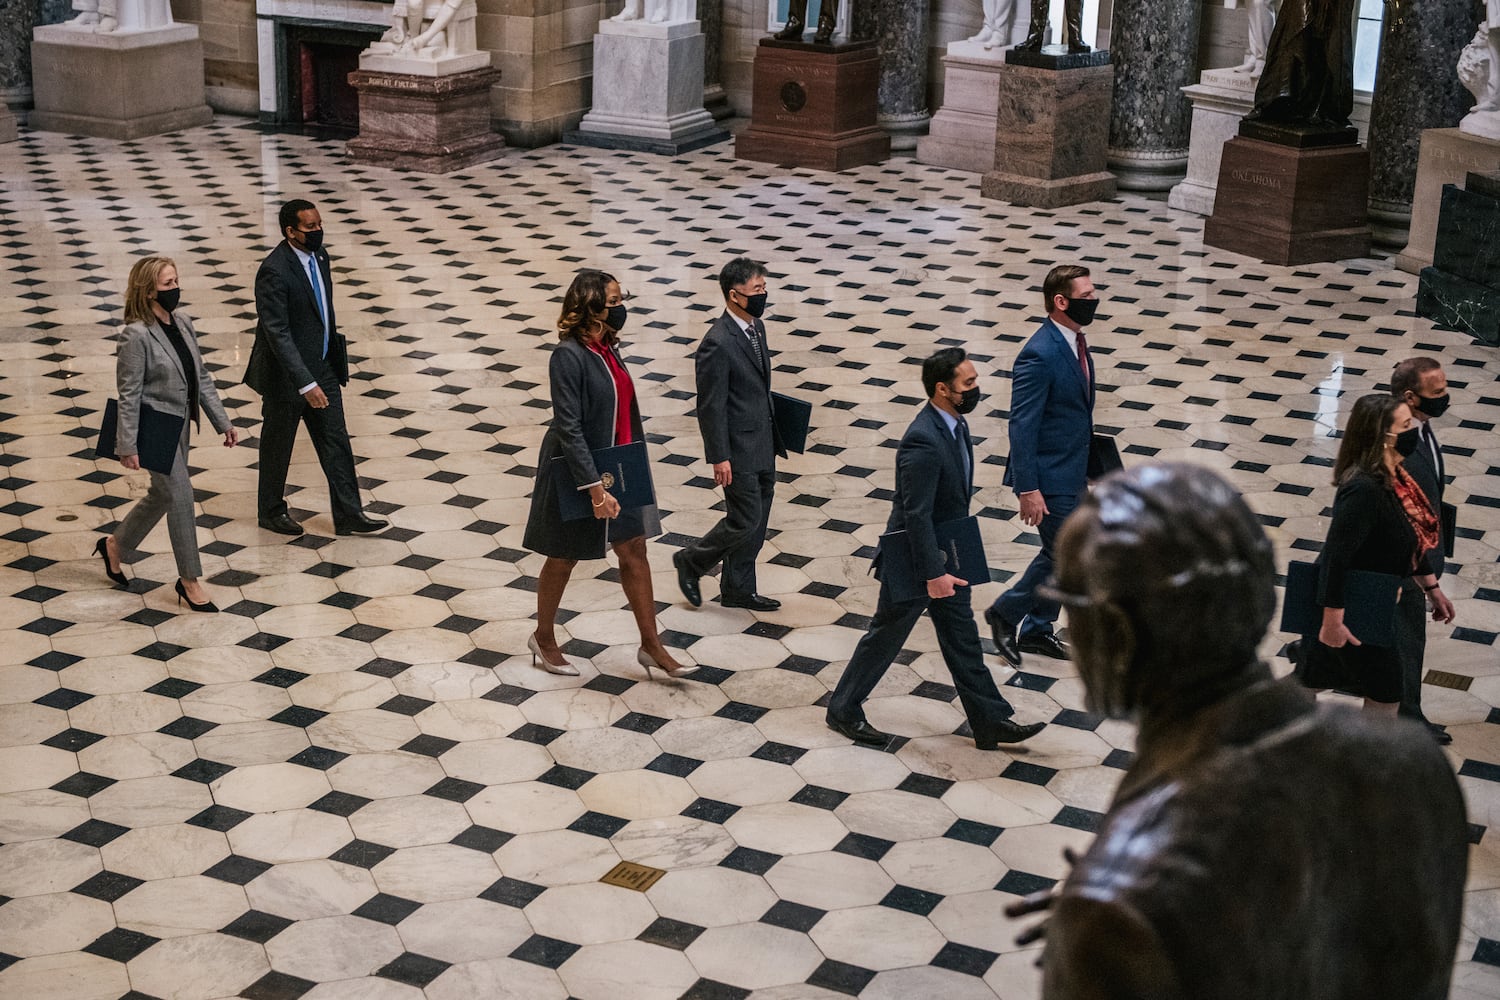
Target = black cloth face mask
(755,304)
(1432,406)
(168,298)
(615,317)
(1081,311)
(966,401)
(312,241)
(1406,441)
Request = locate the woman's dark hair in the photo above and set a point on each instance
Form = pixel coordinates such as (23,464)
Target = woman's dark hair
(584,309)
(1363,447)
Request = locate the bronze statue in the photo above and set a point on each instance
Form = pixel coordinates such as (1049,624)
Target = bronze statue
(1308,78)
(1260,847)
(1072,26)
(796,21)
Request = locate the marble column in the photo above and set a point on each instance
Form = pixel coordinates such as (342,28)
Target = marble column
(1154,47)
(17,18)
(1416,88)
(905,28)
(715,100)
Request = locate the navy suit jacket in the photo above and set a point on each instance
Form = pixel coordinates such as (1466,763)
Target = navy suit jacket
(1051,417)
(931,488)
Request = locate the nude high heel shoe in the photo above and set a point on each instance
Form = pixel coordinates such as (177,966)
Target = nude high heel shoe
(565,669)
(646,660)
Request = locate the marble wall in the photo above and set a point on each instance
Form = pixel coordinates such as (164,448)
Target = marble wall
(230,54)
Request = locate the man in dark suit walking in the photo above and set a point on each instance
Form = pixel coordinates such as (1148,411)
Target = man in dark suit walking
(740,441)
(298,364)
(1051,427)
(934,480)
(1421,384)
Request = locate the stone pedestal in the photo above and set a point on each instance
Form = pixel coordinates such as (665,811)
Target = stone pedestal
(962,133)
(1220,99)
(1446,156)
(434,124)
(7,125)
(1461,290)
(118,84)
(1052,134)
(1291,205)
(648,90)
(815,106)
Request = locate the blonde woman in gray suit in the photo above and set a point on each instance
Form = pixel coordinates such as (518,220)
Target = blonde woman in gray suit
(158,364)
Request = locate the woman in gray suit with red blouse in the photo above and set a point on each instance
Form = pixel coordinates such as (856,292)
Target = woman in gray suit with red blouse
(594,406)
(158,365)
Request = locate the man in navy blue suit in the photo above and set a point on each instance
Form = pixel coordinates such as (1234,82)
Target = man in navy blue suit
(934,480)
(1051,427)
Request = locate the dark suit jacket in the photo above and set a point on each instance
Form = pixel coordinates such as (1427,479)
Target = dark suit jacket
(734,399)
(931,488)
(288,351)
(1051,417)
(1368,531)
(1429,475)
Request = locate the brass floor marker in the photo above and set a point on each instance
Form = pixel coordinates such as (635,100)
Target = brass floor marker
(629,875)
(1444,679)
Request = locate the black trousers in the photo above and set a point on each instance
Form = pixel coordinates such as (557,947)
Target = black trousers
(958,640)
(330,438)
(1411,646)
(737,539)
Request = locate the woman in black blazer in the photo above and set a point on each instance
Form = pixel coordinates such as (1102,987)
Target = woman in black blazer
(593,406)
(1382,523)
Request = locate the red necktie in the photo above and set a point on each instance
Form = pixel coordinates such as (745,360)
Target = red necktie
(1083,356)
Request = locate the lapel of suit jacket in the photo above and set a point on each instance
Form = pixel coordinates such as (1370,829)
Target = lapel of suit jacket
(737,333)
(294,262)
(165,343)
(955,445)
(1071,356)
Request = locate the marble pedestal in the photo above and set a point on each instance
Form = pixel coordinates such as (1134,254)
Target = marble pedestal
(1220,99)
(815,106)
(7,124)
(962,133)
(433,124)
(1446,156)
(1051,136)
(118,84)
(1461,290)
(648,90)
(1289,205)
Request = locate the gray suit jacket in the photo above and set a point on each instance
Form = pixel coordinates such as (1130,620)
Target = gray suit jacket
(147,370)
(734,399)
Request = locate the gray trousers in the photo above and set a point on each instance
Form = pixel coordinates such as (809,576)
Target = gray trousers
(1411,646)
(171,495)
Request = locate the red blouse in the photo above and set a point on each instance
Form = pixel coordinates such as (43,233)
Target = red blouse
(624,391)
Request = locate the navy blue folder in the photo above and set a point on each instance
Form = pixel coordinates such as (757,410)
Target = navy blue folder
(1449,518)
(792,418)
(1104,457)
(624,472)
(963,549)
(1369,604)
(156,437)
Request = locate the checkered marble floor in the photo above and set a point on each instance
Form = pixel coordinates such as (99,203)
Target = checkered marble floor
(353,784)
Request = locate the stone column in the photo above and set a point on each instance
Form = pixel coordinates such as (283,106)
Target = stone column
(1416,88)
(905,29)
(17,18)
(715,100)
(1154,47)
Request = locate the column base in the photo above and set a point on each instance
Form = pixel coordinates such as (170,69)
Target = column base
(1148,170)
(1447,155)
(7,125)
(1037,193)
(815,107)
(685,142)
(118,85)
(906,131)
(1052,130)
(1390,223)
(429,124)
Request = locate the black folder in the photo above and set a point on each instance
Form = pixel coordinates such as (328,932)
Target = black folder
(1369,604)
(1104,457)
(792,418)
(962,546)
(1448,515)
(624,472)
(156,437)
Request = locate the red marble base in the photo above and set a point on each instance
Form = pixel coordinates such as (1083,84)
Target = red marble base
(432,124)
(815,107)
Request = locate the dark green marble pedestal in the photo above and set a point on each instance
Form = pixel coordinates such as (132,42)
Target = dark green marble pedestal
(1461,290)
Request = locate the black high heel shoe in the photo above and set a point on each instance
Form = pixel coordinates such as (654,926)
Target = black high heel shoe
(182,596)
(117,575)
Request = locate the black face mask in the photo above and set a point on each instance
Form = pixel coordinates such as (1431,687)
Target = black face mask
(965,402)
(755,304)
(1406,441)
(1433,406)
(168,298)
(1081,311)
(312,241)
(615,317)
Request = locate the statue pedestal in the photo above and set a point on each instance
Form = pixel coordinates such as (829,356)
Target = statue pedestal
(7,124)
(433,124)
(1052,135)
(962,133)
(1291,205)
(1446,157)
(117,84)
(1461,290)
(815,106)
(1220,99)
(648,90)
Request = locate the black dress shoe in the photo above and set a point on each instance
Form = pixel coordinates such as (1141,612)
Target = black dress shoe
(1004,634)
(860,732)
(282,524)
(687,581)
(361,526)
(754,602)
(1008,731)
(1439,734)
(1045,645)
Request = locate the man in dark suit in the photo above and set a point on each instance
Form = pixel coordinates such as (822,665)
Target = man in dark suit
(298,364)
(1421,385)
(934,480)
(1051,427)
(740,441)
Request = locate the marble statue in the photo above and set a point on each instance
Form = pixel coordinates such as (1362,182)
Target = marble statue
(1262,23)
(796,21)
(1479,71)
(105,16)
(1308,80)
(1072,26)
(1260,846)
(995,32)
(407,37)
(657,11)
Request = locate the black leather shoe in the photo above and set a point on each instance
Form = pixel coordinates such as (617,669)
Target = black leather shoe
(754,602)
(687,581)
(1045,645)
(1439,733)
(363,526)
(1008,731)
(282,524)
(860,732)
(1004,635)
